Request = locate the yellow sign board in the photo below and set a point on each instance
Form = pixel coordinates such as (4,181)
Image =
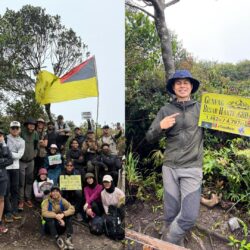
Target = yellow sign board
(70,182)
(225,113)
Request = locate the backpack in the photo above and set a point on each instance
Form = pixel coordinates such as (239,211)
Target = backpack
(114,228)
(96,225)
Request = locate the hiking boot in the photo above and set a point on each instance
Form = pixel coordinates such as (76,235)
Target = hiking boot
(29,204)
(8,218)
(60,243)
(3,229)
(16,216)
(69,243)
(20,205)
(79,217)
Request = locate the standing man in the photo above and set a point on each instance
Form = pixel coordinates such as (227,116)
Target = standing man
(110,139)
(63,130)
(42,144)
(5,160)
(31,139)
(182,167)
(17,146)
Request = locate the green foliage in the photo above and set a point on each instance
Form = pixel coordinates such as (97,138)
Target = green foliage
(240,244)
(231,165)
(132,174)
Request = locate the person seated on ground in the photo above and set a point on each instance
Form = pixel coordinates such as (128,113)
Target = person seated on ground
(42,185)
(51,136)
(54,163)
(90,147)
(107,164)
(75,154)
(92,192)
(75,197)
(112,197)
(5,160)
(57,215)
(63,131)
(111,140)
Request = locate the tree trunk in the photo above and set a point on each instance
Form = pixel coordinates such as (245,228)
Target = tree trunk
(162,30)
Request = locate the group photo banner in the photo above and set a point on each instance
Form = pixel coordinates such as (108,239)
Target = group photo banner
(225,113)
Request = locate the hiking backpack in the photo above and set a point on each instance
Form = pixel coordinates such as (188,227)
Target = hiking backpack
(113,226)
(96,225)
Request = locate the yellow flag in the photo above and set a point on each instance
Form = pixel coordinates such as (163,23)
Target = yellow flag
(80,82)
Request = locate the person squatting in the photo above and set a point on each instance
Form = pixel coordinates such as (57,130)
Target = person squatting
(72,176)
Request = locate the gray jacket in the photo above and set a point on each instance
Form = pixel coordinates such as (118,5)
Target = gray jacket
(185,139)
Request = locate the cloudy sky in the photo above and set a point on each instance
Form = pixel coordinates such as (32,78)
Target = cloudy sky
(212,29)
(100,24)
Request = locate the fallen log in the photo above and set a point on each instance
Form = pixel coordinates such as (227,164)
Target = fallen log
(149,242)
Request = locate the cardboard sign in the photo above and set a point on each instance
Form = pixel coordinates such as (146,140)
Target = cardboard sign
(86,115)
(55,159)
(225,113)
(70,182)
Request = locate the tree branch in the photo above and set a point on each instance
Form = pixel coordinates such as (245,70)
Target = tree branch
(140,8)
(170,3)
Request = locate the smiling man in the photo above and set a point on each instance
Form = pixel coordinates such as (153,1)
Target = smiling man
(182,166)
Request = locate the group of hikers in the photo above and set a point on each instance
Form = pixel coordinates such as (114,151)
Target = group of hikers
(34,162)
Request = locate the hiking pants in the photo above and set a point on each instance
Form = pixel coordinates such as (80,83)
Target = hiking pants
(182,189)
(26,179)
(53,227)
(11,198)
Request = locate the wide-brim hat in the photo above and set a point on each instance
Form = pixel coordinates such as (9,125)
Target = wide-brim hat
(29,121)
(180,74)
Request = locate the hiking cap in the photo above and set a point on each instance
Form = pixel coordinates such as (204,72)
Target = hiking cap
(15,124)
(107,178)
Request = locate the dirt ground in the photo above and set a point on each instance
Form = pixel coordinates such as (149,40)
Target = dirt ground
(26,234)
(146,217)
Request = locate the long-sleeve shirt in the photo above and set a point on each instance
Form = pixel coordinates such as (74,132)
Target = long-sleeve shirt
(114,198)
(39,187)
(16,146)
(92,194)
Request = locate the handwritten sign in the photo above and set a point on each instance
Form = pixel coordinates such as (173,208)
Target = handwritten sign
(55,159)
(225,113)
(70,182)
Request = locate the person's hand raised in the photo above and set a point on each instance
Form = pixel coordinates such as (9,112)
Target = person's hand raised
(168,121)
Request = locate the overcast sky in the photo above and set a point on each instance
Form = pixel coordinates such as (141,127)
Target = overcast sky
(100,24)
(216,30)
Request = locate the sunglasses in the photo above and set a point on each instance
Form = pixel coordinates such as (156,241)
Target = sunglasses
(14,128)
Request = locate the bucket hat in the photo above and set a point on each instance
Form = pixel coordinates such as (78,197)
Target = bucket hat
(179,74)
(89,175)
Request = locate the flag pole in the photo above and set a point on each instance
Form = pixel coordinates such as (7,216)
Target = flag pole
(97,108)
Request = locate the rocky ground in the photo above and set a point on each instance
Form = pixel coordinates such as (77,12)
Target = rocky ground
(211,233)
(26,234)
